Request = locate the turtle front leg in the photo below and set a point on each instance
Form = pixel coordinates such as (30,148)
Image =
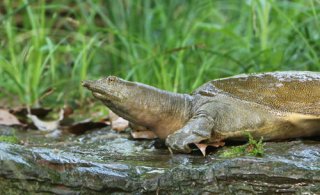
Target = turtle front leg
(197,129)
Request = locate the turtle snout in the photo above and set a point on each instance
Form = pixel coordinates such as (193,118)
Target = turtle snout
(94,86)
(86,83)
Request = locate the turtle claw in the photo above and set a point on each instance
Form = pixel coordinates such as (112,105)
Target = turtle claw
(180,141)
(176,143)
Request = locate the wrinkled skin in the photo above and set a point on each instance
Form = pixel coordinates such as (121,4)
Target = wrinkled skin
(220,109)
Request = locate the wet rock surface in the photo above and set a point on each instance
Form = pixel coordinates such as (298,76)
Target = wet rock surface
(107,162)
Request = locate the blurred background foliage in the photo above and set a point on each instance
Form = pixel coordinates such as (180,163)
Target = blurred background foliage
(48,47)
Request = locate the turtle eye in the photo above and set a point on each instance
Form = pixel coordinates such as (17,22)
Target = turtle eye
(111,78)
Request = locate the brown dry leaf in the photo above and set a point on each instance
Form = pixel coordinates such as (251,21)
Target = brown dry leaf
(203,147)
(46,125)
(6,118)
(118,123)
(143,135)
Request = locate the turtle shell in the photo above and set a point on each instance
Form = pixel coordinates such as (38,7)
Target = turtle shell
(297,92)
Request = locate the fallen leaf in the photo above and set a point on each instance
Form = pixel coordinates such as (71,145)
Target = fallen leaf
(120,124)
(202,147)
(143,135)
(6,118)
(117,123)
(46,125)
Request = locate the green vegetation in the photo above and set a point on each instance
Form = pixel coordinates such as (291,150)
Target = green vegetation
(48,47)
(252,148)
(9,139)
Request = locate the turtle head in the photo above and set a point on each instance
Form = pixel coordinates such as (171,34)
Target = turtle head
(109,89)
(126,99)
(139,103)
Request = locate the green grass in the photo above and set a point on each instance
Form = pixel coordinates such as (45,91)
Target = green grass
(252,148)
(175,45)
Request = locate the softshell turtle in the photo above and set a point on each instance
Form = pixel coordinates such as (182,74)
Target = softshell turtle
(275,106)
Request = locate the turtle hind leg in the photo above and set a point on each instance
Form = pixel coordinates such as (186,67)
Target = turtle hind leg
(292,126)
(305,125)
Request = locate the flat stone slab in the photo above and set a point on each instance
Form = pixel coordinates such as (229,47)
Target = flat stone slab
(108,162)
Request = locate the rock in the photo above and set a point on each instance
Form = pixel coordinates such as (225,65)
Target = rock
(108,162)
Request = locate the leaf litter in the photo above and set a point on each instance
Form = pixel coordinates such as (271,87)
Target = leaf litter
(8,119)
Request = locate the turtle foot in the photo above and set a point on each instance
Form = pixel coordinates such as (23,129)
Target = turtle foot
(180,142)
